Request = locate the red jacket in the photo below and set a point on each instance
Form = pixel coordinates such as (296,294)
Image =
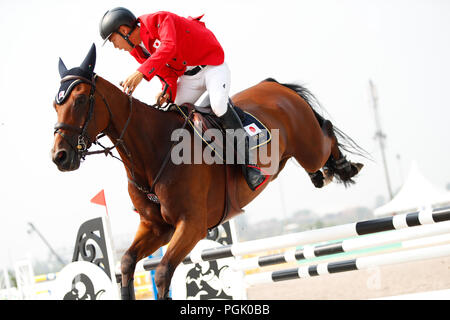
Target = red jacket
(174,43)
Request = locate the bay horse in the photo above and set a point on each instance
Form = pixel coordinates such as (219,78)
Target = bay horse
(191,198)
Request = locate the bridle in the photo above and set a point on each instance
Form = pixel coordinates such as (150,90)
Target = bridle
(83,140)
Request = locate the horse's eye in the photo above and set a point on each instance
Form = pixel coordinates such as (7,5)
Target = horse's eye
(81,100)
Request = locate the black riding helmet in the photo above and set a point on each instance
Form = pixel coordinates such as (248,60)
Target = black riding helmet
(113,19)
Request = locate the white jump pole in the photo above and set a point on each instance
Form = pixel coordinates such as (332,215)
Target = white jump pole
(397,222)
(349,265)
(373,240)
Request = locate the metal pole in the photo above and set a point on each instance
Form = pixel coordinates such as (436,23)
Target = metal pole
(400,168)
(47,244)
(380,136)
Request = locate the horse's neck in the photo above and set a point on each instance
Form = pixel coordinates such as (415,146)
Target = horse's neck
(144,136)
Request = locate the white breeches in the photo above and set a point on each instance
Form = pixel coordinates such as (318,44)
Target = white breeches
(214,79)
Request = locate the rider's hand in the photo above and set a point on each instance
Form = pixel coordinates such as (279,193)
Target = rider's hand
(130,84)
(161,99)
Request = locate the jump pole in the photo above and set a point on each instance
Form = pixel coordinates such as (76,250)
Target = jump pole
(396,222)
(349,265)
(348,245)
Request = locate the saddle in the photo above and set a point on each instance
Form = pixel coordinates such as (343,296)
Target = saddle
(202,119)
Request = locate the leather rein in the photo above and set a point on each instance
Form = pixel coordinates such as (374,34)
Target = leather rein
(83,141)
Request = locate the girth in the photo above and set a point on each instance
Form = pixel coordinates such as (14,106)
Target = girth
(200,122)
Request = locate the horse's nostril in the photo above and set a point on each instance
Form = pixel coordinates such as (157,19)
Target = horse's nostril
(60,157)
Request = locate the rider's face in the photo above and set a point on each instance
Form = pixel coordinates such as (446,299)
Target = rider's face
(118,41)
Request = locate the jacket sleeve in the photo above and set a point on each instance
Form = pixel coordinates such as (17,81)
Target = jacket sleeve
(167,75)
(167,49)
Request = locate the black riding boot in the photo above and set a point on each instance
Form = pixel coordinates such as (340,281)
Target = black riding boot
(252,173)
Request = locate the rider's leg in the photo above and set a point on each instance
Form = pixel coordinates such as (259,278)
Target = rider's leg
(234,130)
(217,82)
(217,79)
(190,88)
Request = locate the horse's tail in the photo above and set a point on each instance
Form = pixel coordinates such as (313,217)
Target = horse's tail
(343,141)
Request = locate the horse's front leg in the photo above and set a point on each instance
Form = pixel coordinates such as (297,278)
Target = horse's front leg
(188,233)
(149,237)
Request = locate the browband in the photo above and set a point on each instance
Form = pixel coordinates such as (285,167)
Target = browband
(74,77)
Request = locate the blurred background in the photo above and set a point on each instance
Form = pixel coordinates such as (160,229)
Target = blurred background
(379,68)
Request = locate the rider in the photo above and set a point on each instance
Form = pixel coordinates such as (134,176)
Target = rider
(186,55)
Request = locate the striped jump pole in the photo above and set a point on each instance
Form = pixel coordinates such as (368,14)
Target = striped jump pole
(397,222)
(349,265)
(373,240)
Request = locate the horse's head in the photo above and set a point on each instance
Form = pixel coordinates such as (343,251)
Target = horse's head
(81,115)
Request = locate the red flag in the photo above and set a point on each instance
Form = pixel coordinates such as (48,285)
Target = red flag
(99,198)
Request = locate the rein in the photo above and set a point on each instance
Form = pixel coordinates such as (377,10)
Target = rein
(83,139)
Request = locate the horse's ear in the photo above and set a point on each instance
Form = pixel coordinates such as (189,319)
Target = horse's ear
(62,68)
(89,62)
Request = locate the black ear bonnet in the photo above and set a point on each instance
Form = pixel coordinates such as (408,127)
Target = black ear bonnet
(86,70)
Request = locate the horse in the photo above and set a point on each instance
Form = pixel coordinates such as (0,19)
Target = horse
(191,198)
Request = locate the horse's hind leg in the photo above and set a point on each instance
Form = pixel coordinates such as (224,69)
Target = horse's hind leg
(187,234)
(149,237)
(337,164)
(318,178)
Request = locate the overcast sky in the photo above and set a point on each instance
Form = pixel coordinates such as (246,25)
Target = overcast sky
(331,47)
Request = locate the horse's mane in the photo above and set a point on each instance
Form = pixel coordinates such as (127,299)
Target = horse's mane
(344,141)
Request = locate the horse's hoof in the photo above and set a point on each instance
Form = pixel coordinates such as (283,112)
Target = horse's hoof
(317,179)
(355,168)
(327,180)
(318,184)
(352,170)
(358,166)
